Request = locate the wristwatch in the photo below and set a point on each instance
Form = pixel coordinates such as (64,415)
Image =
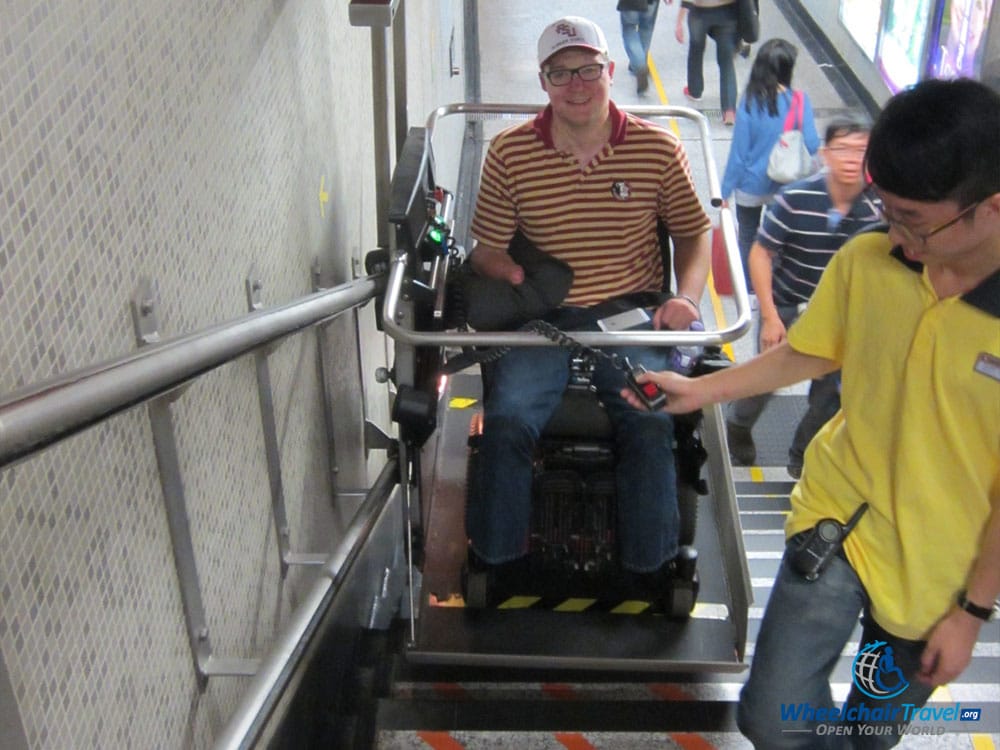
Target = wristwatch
(983,613)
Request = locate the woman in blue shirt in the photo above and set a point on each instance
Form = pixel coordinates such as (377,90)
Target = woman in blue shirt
(760,120)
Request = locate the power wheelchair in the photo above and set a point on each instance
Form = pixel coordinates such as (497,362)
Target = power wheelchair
(572,540)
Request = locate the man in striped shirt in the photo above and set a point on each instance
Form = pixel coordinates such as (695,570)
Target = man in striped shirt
(586,183)
(803,227)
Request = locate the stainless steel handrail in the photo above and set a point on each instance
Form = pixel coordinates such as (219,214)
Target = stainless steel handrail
(41,415)
(395,319)
(258,704)
(649,112)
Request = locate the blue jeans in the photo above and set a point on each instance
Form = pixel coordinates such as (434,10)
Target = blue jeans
(805,628)
(526,389)
(720,24)
(637,32)
(824,401)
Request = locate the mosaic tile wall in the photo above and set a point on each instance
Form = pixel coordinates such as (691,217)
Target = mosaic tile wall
(187,142)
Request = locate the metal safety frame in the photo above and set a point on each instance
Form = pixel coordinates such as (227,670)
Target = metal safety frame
(398,316)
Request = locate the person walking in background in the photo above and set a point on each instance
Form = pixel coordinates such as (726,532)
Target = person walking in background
(638,18)
(761,120)
(717,19)
(805,225)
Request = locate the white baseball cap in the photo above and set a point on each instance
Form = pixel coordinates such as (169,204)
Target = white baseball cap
(571,31)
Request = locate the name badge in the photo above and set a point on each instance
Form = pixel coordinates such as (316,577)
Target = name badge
(988,365)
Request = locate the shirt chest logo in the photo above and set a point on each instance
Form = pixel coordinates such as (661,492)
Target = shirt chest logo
(621,190)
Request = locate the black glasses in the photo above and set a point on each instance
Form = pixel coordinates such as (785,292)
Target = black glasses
(843,152)
(911,235)
(562,76)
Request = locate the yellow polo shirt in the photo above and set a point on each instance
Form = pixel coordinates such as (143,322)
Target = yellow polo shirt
(918,434)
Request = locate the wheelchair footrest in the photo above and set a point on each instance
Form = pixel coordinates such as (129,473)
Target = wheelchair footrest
(536,582)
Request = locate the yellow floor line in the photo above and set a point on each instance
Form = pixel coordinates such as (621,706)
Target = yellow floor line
(756,474)
(941,694)
(979,741)
(720,315)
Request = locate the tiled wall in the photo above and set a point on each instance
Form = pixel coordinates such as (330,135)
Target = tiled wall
(185,142)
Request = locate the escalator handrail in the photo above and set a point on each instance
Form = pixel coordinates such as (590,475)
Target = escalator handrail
(40,415)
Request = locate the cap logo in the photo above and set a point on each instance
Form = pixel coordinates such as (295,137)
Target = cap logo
(570,31)
(566,30)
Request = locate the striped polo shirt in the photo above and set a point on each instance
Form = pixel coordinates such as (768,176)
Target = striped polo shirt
(803,232)
(600,220)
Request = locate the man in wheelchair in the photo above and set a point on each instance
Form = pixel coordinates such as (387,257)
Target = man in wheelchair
(586,184)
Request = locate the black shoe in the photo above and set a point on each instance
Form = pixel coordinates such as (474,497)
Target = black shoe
(794,470)
(742,451)
(641,82)
(744,50)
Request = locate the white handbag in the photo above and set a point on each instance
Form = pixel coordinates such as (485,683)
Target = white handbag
(790,160)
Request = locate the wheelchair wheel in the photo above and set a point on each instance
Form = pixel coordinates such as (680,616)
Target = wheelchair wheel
(687,505)
(682,592)
(681,598)
(475,588)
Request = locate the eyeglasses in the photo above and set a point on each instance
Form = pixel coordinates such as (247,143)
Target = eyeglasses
(911,235)
(562,76)
(845,151)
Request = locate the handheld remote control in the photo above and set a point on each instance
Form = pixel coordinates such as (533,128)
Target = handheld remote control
(649,393)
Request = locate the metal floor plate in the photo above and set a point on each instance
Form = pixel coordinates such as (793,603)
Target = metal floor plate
(529,637)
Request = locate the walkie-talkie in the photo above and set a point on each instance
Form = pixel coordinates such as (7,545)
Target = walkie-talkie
(822,544)
(649,393)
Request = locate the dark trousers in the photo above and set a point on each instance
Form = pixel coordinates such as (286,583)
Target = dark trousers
(824,401)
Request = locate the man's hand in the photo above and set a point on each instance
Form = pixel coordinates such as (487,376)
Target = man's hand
(765,373)
(494,263)
(676,314)
(949,649)
(772,332)
(682,393)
